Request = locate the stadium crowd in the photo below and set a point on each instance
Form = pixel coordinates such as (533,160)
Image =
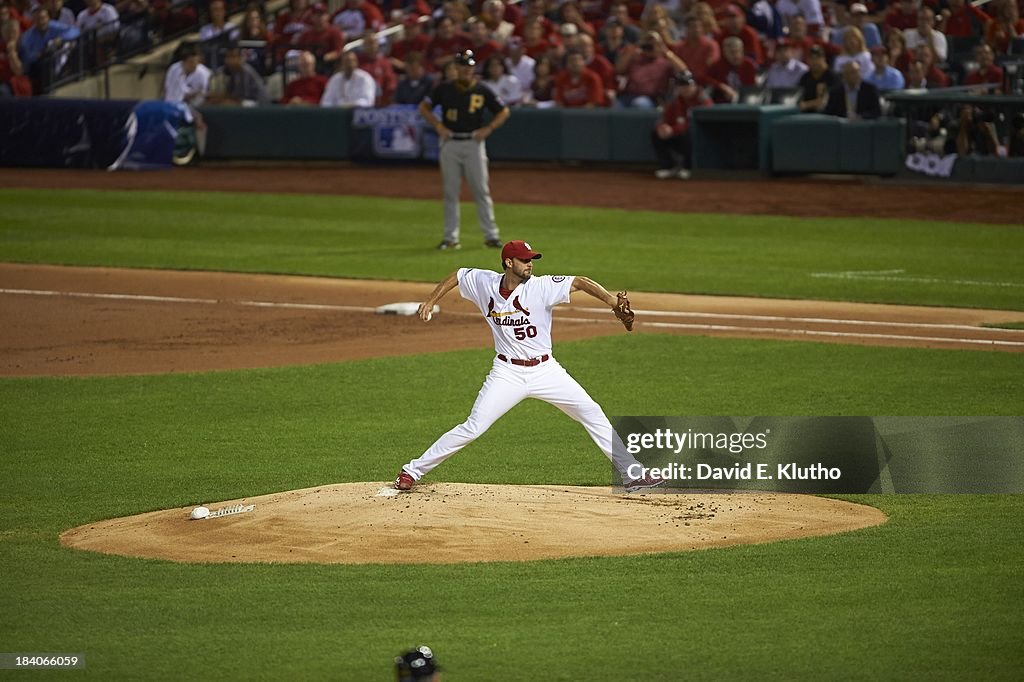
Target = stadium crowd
(630,48)
(530,52)
(834,57)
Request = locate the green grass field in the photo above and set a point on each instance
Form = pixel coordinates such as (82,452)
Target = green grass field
(945,263)
(935,592)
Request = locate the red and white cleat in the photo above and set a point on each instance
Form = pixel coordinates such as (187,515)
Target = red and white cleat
(648,481)
(404,481)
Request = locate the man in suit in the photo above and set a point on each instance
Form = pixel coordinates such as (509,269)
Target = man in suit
(852,97)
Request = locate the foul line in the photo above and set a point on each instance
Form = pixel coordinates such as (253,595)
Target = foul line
(670,325)
(817,320)
(179,299)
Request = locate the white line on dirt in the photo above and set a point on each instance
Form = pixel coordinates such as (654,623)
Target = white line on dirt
(816,320)
(179,299)
(668,325)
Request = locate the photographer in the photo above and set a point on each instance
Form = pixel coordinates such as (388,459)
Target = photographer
(977,132)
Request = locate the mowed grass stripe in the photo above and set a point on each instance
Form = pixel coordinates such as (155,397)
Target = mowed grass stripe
(377,238)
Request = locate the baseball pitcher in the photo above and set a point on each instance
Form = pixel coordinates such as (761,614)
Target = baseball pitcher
(518,307)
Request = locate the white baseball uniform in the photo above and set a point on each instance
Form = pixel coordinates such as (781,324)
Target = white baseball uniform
(521,325)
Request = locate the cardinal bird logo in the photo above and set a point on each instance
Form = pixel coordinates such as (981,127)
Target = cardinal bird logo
(490,307)
(519,306)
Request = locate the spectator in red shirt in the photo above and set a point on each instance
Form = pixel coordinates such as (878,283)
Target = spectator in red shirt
(800,42)
(697,50)
(1004,27)
(595,11)
(916,75)
(307,89)
(902,16)
(732,72)
(578,86)
(12,74)
(293,22)
(647,69)
(987,71)
(570,13)
(602,67)
(322,39)
(932,75)
(11,12)
(734,24)
(962,20)
(377,65)
(357,17)
(413,40)
(899,56)
(446,43)
(671,137)
(458,12)
(535,43)
(935,77)
(536,11)
(481,43)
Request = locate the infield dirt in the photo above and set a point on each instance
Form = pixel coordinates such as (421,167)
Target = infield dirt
(89,321)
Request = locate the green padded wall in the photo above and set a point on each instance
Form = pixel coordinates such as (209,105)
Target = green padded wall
(630,131)
(528,135)
(586,135)
(277,133)
(889,143)
(994,169)
(856,147)
(805,143)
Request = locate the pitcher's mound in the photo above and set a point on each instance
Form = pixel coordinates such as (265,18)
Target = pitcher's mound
(441,523)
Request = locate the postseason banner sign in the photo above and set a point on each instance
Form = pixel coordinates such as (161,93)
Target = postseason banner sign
(840,455)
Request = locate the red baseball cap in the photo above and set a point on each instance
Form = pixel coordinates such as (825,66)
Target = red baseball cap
(517,248)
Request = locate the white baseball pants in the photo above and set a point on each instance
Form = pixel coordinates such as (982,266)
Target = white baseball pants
(504,388)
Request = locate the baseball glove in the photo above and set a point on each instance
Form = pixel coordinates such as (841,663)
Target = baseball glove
(623,311)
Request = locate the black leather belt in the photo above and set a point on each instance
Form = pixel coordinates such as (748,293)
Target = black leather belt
(462,136)
(533,362)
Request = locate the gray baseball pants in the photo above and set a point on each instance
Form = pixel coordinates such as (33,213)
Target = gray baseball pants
(466,158)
